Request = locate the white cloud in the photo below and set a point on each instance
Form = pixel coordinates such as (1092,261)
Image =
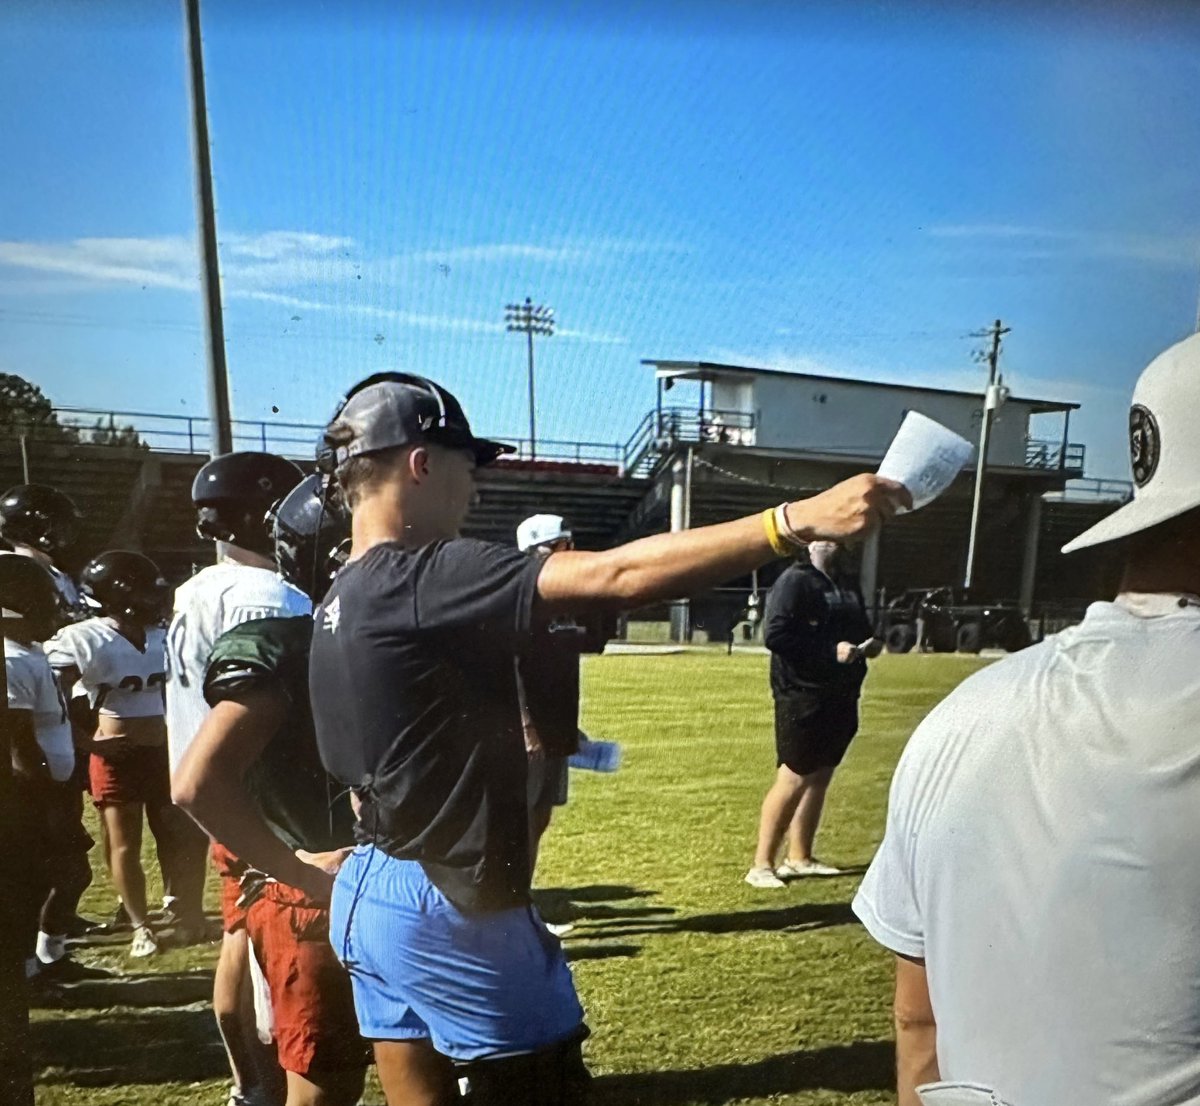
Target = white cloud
(269,267)
(462,324)
(276,245)
(1031,241)
(582,253)
(150,262)
(274,259)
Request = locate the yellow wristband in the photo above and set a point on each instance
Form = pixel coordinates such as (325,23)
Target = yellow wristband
(778,543)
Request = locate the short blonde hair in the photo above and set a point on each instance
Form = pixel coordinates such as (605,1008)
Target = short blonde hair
(362,474)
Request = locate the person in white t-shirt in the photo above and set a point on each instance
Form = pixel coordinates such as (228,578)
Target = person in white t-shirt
(41,522)
(1037,880)
(232,495)
(41,843)
(118,660)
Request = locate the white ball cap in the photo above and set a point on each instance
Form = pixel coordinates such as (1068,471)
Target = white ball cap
(540,530)
(1164,447)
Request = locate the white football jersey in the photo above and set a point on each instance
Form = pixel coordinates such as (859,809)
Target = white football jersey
(215,600)
(120,680)
(32,687)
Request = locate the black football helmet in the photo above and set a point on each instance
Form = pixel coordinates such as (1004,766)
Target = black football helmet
(311,528)
(28,592)
(39,516)
(125,585)
(235,491)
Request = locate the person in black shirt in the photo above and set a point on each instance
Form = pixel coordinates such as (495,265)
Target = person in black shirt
(819,637)
(548,682)
(414,693)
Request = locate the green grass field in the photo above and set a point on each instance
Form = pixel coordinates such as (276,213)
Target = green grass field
(698,988)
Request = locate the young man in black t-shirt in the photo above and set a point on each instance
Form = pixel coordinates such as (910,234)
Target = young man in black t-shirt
(415,703)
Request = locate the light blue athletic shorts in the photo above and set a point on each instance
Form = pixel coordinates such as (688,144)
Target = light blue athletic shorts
(477,985)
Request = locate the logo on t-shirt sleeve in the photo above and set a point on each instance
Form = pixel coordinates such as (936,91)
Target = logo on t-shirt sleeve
(332,616)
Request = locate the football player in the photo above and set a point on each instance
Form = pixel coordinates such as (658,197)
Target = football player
(41,522)
(117,658)
(44,846)
(232,495)
(253,778)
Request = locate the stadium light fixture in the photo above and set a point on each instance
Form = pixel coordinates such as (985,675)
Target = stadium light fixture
(530,318)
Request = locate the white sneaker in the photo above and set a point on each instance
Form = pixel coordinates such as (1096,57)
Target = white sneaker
(560,930)
(798,869)
(144,942)
(763,878)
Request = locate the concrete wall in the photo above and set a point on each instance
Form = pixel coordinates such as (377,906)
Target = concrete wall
(851,417)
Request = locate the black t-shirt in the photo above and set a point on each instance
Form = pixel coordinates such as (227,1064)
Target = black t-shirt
(292,790)
(414,697)
(807,615)
(549,667)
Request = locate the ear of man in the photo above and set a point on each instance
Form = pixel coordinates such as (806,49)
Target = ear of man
(418,464)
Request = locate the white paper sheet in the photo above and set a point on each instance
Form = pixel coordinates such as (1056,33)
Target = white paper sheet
(925,457)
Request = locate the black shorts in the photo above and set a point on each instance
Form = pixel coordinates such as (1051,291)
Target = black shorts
(813,730)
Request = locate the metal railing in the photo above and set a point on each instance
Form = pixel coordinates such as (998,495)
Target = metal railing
(657,433)
(560,450)
(190,434)
(187,433)
(1054,456)
(663,427)
(1094,490)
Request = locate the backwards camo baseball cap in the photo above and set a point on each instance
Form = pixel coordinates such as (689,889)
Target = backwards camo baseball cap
(393,409)
(1164,448)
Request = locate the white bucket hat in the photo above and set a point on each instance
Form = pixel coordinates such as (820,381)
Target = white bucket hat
(1164,447)
(540,530)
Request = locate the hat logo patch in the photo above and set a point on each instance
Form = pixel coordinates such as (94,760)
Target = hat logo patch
(1144,444)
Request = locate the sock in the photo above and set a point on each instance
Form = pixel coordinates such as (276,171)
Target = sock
(51,947)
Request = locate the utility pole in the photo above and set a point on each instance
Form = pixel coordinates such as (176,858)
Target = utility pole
(531,319)
(993,397)
(210,272)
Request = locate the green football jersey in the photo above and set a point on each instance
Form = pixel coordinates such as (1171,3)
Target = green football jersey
(294,794)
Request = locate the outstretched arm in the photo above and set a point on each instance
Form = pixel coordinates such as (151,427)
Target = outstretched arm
(667,566)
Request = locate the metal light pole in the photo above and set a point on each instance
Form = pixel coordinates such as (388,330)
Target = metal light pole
(210,272)
(530,319)
(992,399)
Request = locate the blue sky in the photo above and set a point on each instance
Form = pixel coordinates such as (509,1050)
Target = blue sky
(849,189)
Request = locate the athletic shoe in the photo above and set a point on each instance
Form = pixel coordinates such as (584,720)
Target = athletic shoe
(763,878)
(144,943)
(799,869)
(67,970)
(252,1097)
(79,927)
(560,930)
